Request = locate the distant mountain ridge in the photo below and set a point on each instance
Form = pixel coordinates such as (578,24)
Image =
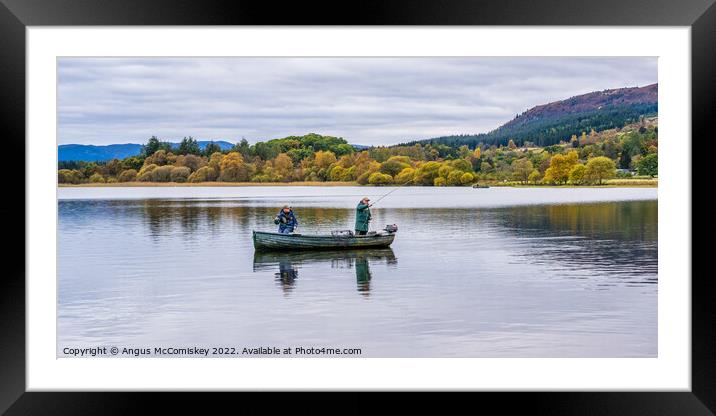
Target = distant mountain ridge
(588,102)
(547,124)
(92,153)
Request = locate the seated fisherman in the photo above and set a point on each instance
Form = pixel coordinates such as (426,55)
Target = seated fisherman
(362,216)
(286,221)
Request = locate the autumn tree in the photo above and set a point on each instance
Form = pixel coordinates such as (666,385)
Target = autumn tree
(96,178)
(368,169)
(69,176)
(324,159)
(467,178)
(113,167)
(378,178)
(162,174)
(362,162)
(592,137)
(191,161)
(88,169)
(521,169)
(405,176)
(337,173)
(444,170)
(158,158)
(145,173)
(234,169)
(534,177)
(577,173)
(599,169)
(129,175)
(461,165)
(346,161)
(215,161)
(454,177)
(543,164)
(559,167)
(283,166)
(393,166)
(204,174)
(179,174)
(426,173)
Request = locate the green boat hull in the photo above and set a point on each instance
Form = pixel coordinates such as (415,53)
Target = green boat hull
(276,241)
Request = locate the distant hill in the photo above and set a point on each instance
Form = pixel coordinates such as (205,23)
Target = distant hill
(547,124)
(92,153)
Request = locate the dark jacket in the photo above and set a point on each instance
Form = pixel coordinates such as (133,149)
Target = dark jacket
(286,221)
(362,217)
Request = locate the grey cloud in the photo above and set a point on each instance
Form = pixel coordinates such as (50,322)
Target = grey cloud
(365,100)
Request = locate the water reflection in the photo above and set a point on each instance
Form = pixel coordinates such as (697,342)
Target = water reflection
(287,274)
(189,216)
(528,281)
(289,263)
(363,275)
(618,240)
(634,220)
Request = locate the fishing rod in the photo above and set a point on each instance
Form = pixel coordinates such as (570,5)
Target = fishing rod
(399,186)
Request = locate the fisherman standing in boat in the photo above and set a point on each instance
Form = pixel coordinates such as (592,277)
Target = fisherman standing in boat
(362,216)
(286,221)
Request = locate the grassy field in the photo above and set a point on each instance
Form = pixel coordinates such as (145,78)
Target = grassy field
(653,182)
(609,183)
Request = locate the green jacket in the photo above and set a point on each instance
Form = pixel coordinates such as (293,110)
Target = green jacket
(362,217)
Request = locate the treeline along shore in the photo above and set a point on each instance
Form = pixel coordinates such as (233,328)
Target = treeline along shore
(626,156)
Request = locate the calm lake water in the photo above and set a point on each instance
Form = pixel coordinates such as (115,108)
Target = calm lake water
(499,272)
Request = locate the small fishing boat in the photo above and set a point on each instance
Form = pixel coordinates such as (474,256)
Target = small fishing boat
(334,241)
(476,186)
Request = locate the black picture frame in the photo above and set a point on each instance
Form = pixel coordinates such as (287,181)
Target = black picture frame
(16,15)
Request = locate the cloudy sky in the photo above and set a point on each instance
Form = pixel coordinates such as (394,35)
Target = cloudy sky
(364,100)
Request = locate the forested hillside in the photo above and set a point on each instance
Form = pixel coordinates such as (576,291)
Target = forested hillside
(547,124)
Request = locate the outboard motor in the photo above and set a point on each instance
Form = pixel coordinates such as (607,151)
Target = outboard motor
(391,228)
